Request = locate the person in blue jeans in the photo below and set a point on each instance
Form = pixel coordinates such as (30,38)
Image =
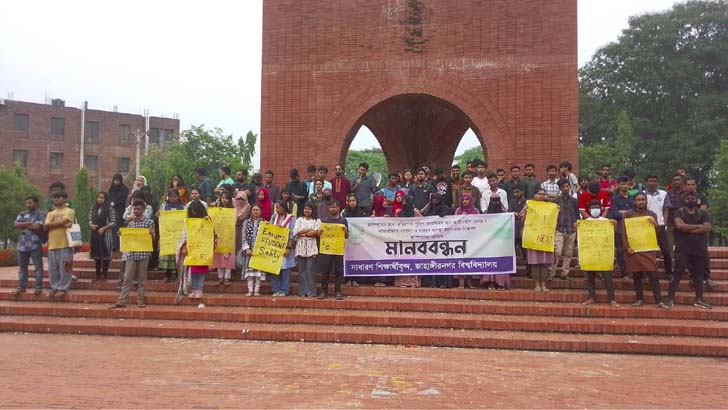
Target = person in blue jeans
(30,244)
(281,283)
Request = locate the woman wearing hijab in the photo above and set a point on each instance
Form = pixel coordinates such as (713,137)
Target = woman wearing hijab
(437,208)
(396,208)
(466,208)
(499,282)
(379,205)
(266,205)
(139,183)
(242,212)
(118,192)
(101,219)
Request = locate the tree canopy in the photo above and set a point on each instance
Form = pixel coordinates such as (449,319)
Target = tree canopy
(663,86)
(15,189)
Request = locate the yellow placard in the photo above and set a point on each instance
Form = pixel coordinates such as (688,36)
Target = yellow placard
(200,242)
(171,224)
(223,220)
(539,229)
(269,248)
(596,245)
(641,234)
(332,239)
(135,240)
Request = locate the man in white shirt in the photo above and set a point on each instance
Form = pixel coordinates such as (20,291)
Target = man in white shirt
(659,202)
(493,189)
(481,181)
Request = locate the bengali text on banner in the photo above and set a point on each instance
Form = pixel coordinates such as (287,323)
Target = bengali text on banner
(452,245)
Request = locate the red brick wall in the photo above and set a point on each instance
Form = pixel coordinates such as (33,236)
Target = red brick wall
(39,142)
(510,66)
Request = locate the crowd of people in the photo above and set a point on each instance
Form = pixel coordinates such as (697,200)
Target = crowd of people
(679,214)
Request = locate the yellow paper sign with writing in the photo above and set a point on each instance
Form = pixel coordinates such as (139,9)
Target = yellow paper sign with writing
(200,242)
(223,220)
(171,224)
(539,229)
(135,240)
(596,245)
(269,248)
(332,239)
(641,234)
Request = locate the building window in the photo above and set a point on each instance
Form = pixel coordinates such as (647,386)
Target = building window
(22,122)
(125,133)
(154,136)
(56,160)
(58,126)
(167,136)
(123,165)
(92,132)
(91,162)
(20,155)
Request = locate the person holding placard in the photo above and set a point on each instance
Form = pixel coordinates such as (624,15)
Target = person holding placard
(538,261)
(196,210)
(565,237)
(333,264)
(281,283)
(249,235)
(641,264)
(595,211)
(172,202)
(306,232)
(135,268)
(224,262)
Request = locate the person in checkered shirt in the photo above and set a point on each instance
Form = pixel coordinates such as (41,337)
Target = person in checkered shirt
(136,262)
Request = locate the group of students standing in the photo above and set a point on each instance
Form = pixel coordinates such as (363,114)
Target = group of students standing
(679,215)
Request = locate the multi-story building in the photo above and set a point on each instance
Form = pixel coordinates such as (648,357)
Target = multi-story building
(53,141)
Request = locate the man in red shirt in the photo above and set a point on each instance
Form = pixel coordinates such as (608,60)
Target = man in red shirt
(605,182)
(594,192)
(340,186)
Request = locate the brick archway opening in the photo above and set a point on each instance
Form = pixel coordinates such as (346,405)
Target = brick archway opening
(415,129)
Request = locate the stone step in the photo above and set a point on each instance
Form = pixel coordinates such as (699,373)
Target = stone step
(220,296)
(89,273)
(345,317)
(569,342)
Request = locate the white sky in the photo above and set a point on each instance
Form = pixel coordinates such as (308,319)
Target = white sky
(201,60)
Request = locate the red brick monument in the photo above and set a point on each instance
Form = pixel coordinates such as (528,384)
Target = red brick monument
(418,74)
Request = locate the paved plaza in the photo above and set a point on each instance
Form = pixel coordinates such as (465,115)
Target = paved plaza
(41,371)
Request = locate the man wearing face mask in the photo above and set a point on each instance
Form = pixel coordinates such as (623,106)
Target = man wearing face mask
(692,227)
(340,186)
(594,193)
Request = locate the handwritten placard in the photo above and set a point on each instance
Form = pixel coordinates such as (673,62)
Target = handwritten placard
(223,221)
(539,229)
(332,239)
(270,248)
(135,240)
(641,234)
(596,245)
(171,224)
(200,242)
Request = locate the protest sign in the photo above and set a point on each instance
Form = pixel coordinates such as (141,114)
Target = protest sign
(269,248)
(332,239)
(596,245)
(135,240)
(641,234)
(171,224)
(200,242)
(539,229)
(223,221)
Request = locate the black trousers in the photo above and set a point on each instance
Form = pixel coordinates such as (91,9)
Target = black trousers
(619,251)
(591,278)
(654,282)
(696,265)
(331,264)
(665,249)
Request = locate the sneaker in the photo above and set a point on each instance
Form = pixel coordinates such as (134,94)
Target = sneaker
(51,293)
(74,278)
(339,296)
(663,306)
(669,304)
(702,305)
(380,284)
(117,306)
(614,304)
(544,289)
(256,294)
(638,303)
(141,305)
(322,296)
(354,283)
(537,288)
(249,294)
(589,301)
(17,291)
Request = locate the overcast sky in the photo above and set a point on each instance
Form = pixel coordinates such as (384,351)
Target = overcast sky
(201,60)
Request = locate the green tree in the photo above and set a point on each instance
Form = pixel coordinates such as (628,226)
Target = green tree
(85,196)
(718,191)
(591,158)
(469,155)
(667,73)
(197,148)
(372,156)
(15,189)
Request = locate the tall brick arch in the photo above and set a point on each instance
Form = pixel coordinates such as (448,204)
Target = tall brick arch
(505,68)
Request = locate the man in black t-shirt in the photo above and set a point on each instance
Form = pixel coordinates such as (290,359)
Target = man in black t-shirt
(333,263)
(692,227)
